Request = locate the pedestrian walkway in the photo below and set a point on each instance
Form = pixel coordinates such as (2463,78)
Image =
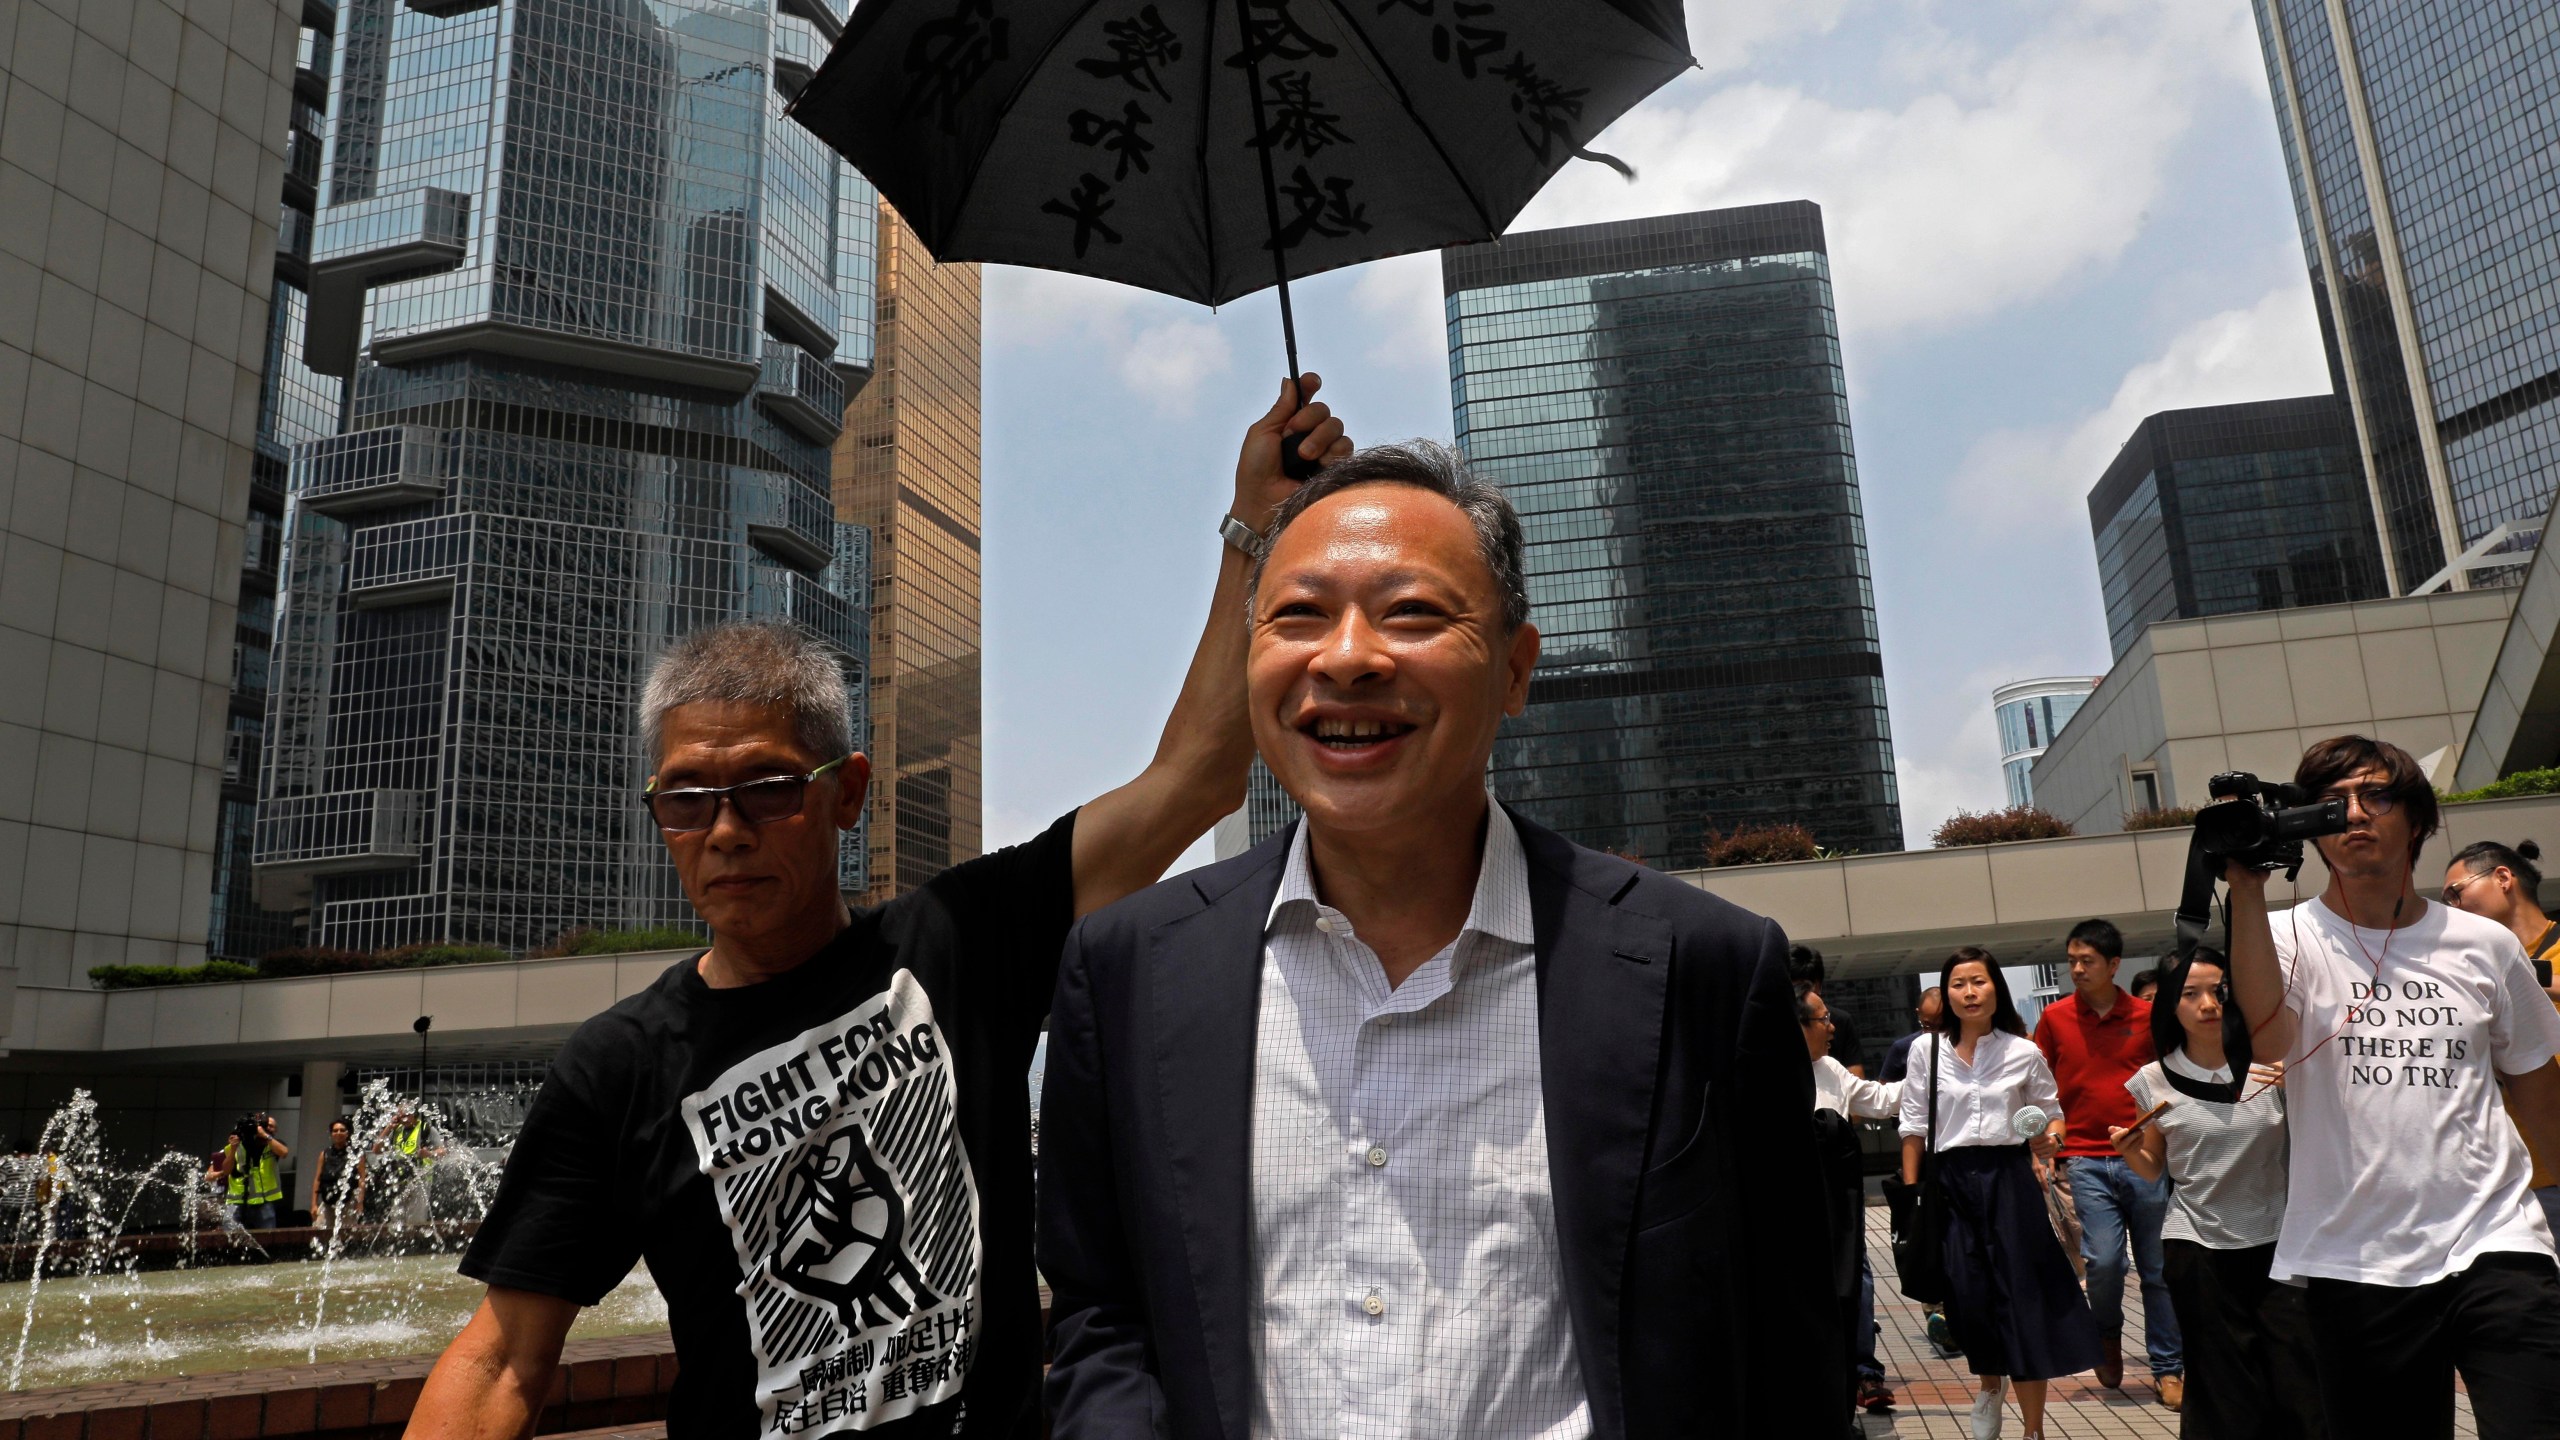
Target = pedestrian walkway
(1935,1395)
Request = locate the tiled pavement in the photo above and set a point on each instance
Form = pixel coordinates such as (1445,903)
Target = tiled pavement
(1936,1395)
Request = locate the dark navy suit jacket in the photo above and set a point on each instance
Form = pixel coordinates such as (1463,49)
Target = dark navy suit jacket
(1688,1195)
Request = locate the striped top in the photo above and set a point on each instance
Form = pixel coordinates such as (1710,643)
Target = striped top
(2228,1160)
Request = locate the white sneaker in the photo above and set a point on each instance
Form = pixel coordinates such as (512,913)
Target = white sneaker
(1987,1411)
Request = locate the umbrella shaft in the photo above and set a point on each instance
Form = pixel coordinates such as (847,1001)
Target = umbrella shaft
(1270,185)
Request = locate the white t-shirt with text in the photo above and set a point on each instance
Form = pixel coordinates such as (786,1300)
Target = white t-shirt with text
(2406,1168)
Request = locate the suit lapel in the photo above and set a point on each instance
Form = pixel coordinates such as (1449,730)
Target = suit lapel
(1603,975)
(1205,974)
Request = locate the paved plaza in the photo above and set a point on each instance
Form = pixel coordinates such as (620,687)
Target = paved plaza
(1935,1395)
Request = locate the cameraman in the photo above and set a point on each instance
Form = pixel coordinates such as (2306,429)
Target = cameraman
(2409,1214)
(247,1168)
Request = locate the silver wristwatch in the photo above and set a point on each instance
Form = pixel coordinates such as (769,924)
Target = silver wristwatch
(1243,537)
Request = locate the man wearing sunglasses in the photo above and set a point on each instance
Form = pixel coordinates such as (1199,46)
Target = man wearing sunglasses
(2410,1218)
(816,1133)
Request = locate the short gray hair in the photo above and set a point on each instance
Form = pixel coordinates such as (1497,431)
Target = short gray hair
(751,662)
(1425,465)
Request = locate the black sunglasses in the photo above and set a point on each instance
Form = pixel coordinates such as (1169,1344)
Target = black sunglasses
(2376,800)
(758,802)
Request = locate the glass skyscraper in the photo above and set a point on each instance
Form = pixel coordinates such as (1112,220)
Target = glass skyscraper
(2423,147)
(296,405)
(2227,508)
(2029,714)
(1663,400)
(906,467)
(598,306)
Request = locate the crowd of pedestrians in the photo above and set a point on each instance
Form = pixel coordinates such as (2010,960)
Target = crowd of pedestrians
(2323,1154)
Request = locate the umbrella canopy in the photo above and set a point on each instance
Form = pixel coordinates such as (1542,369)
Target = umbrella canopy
(1205,148)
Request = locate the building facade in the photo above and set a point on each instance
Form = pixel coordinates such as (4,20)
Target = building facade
(296,405)
(1663,400)
(142,157)
(2030,713)
(906,469)
(2424,155)
(2228,508)
(2194,698)
(598,306)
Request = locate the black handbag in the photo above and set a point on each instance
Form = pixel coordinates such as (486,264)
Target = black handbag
(1918,1213)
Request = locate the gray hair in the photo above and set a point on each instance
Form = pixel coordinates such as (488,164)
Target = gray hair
(1425,465)
(751,662)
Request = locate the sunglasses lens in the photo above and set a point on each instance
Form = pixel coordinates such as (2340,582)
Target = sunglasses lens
(684,809)
(766,801)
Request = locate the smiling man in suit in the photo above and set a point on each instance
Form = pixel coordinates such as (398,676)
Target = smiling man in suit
(1420,1120)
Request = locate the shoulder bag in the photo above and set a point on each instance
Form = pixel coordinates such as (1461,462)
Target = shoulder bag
(1919,1212)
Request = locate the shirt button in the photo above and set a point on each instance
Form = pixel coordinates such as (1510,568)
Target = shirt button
(1327,924)
(1377,1154)
(1374,1305)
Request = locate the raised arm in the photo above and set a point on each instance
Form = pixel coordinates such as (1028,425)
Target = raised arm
(1126,838)
(492,1379)
(2257,981)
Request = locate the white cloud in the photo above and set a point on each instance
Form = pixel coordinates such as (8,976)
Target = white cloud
(1166,364)
(1401,301)
(1725,34)
(2033,482)
(2015,174)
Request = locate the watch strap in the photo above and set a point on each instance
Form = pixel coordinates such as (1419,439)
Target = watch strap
(1243,537)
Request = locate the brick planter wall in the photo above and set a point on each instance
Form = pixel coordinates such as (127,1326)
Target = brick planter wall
(620,1383)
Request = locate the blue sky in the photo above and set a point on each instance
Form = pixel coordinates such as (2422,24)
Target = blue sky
(2047,219)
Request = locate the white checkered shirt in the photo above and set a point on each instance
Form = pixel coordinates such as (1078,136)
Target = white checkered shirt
(1404,1230)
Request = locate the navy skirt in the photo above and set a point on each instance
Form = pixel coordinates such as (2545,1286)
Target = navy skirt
(2013,1303)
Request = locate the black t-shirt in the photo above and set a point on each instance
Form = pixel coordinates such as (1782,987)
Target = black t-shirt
(1845,1045)
(829,1173)
(333,1169)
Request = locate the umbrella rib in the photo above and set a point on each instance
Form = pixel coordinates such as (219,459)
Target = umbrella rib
(1200,151)
(1386,72)
(1013,97)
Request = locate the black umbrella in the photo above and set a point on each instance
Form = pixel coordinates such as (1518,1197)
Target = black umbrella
(1207,148)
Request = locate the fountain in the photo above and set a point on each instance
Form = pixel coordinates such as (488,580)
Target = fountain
(128,1271)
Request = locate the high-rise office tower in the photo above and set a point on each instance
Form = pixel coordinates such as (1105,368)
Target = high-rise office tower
(142,157)
(295,405)
(2029,714)
(1664,402)
(599,304)
(906,468)
(2419,143)
(2225,508)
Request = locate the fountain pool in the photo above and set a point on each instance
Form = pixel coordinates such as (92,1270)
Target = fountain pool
(239,1317)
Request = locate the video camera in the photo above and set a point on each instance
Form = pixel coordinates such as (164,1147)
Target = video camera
(2252,822)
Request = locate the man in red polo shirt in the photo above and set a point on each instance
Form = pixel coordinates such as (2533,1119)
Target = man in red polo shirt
(2095,1038)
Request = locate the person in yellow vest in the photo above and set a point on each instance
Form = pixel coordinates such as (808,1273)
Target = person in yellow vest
(409,1149)
(2504,883)
(246,1170)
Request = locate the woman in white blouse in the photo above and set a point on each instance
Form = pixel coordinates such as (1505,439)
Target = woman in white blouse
(2013,1304)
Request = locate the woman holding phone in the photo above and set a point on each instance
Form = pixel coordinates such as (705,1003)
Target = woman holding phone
(2013,1305)
(2215,1125)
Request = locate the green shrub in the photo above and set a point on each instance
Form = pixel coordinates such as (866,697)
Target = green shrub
(135,977)
(2167,817)
(1762,845)
(410,957)
(618,942)
(2523,782)
(308,960)
(1994,827)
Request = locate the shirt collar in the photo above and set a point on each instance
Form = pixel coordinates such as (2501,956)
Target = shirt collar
(1501,906)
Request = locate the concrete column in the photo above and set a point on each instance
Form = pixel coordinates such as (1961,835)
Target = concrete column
(311,1137)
